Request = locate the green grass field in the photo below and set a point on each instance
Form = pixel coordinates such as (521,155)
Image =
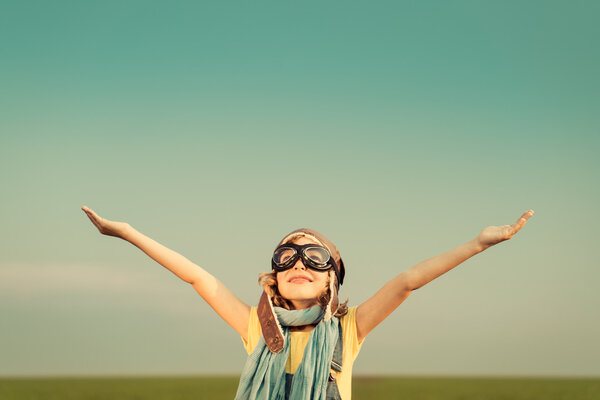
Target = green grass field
(194,388)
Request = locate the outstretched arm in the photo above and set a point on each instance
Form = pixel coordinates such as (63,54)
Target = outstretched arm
(370,313)
(235,312)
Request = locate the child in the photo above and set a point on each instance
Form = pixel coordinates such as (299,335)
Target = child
(301,342)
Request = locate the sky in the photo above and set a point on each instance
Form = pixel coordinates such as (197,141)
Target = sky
(399,130)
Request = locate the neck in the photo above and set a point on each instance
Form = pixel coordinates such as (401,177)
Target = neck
(302,304)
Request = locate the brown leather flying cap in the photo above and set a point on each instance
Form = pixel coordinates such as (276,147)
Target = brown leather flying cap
(271,330)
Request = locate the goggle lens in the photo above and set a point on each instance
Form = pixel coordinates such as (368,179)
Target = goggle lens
(283,254)
(317,255)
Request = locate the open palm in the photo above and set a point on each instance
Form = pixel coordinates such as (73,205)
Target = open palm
(496,234)
(105,226)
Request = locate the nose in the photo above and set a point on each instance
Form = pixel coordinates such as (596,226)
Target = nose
(299,264)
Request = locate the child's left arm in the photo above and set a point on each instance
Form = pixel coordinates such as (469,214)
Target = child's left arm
(370,313)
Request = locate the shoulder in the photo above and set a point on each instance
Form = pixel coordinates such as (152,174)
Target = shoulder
(348,323)
(350,315)
(349,333)
(254,331)
(254,323)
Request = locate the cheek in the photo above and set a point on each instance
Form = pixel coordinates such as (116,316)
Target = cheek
(284,287)
(322,281)
(281,287)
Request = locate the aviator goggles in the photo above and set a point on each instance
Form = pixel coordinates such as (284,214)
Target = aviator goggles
(313,256)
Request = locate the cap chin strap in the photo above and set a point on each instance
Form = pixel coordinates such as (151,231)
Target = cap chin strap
(328,310)
(271,329)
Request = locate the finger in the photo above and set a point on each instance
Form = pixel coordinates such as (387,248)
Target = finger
(94,218)
(91,216)
(94,215)
(518,224)
(526,215)
(95,222)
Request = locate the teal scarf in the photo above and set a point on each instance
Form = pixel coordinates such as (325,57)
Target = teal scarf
(263,376)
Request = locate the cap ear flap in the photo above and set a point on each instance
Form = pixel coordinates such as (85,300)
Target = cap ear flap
(342,271)
(271,332)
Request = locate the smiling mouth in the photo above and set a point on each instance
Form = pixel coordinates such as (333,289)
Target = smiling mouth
(300,280)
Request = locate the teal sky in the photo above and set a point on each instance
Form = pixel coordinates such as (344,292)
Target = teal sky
(398,129)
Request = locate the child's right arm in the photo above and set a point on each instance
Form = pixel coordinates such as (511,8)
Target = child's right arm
(235,312)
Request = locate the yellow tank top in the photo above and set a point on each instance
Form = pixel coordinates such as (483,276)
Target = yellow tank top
(298,341)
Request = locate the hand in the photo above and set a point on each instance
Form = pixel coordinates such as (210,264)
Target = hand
(496,234)
(106,227)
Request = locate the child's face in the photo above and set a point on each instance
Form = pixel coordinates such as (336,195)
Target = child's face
(300,285)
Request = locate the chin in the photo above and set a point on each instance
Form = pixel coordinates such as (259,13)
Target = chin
(302,294)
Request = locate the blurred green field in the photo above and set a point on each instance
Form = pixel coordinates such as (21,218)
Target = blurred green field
(203,387)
